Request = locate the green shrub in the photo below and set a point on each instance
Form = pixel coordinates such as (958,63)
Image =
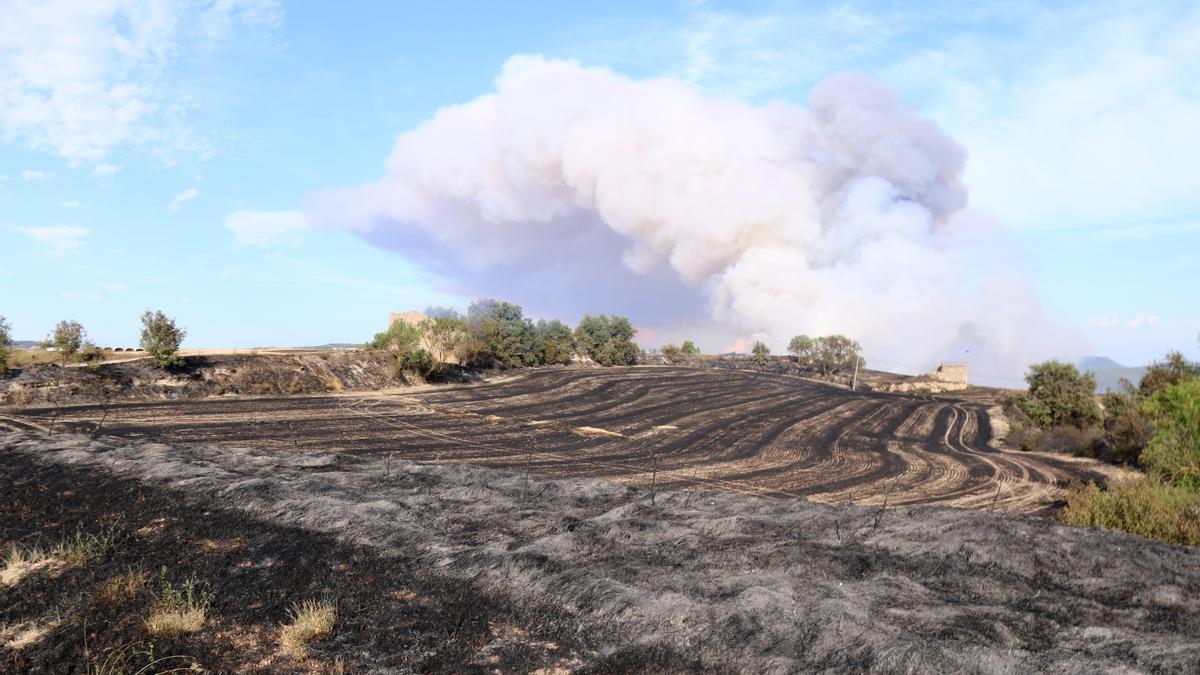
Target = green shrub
(1149,508)
(1127,429)
(161,339)
(401,336)
(90,353)
(674,354)
(1060,395)
(689,348)
(761,353)
(419,360)
(1173,453)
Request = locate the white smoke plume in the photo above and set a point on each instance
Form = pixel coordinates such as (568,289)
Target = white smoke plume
(838,217)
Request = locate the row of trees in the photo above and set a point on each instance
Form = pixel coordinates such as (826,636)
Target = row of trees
(160,338)
(497,333)
(827,356)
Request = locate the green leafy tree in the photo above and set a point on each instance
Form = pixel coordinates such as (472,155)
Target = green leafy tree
(68,337)
(689,348)
(501,334)
(835,354)
(761,354)
(5,343)
(1060,395)
(401,336)
(1173,453)
(674,354)
(608,340)
(803,348)
(444,336)
(557,341)
(161,339)
(1172,369)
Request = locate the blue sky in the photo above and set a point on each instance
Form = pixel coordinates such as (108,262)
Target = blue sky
(160,155)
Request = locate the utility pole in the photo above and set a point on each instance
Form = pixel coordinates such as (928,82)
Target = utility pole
(854,380)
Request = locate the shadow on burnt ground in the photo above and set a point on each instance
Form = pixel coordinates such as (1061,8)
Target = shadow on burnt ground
(394,614)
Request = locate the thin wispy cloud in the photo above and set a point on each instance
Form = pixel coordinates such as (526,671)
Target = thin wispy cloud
(266,228)
(35,174)
(59,240)
(83,86)
(187,195)
(1114,320)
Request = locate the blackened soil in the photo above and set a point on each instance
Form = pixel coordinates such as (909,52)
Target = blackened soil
(394,614)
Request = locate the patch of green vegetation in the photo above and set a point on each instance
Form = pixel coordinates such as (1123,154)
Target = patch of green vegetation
(1149,508)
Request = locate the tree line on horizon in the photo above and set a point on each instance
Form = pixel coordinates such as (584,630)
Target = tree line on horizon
(826,356)
(494,333)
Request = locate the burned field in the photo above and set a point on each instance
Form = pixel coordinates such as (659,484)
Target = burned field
(478,528)
(459,568)
(735,431)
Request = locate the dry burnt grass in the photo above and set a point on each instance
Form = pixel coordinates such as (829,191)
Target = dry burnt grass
(445,567)
(393,614)
(298,372)
(753,433)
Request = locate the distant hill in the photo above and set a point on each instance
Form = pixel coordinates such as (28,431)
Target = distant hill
(1109,373)
(24,344)
(1097,363)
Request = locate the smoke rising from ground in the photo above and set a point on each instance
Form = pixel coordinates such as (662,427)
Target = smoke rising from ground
(845,216)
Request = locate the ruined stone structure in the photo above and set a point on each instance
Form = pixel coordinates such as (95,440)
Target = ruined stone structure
(946,377)
(414,317)
(953,373)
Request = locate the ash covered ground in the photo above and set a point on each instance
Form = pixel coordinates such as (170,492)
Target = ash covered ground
(626,577)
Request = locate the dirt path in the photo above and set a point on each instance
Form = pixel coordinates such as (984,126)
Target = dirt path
(765,435)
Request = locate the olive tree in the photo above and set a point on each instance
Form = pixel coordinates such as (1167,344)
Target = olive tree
(68,337)
(608,340)
(444,335)
(556,340)
(834,354)
(161,339)
(689,348)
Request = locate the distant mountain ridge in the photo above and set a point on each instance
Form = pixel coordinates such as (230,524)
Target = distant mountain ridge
(1109,373)
(1094,363)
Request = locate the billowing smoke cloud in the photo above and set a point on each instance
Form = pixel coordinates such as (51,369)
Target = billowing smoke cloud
(839,217)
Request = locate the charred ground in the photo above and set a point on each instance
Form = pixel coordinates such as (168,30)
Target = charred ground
(745,432)
(456,567)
